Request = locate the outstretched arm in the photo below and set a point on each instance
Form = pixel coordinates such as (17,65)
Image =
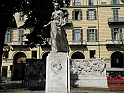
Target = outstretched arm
(47,24)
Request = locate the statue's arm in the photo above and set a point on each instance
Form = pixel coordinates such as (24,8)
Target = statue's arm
(47,24)
(50,21)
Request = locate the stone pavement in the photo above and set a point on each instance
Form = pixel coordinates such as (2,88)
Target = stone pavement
(73,91)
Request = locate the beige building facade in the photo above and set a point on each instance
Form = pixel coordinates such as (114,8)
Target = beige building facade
(94,30)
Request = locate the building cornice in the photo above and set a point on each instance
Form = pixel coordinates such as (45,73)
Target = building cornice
(95,6)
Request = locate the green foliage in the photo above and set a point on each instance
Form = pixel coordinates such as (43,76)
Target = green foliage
(38,13)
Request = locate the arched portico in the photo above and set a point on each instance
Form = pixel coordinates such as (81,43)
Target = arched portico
(77,55)
(117,60)
(44,56)
(19,60)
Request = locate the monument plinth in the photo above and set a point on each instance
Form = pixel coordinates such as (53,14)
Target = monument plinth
(57,73)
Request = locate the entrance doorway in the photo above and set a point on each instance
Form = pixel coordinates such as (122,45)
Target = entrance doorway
(19,61)
(117,60)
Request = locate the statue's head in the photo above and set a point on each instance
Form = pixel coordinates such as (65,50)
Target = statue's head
(56,6)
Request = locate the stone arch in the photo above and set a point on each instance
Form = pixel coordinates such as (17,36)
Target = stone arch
(44,55)
(19,59)
(77,55)
(117,59)
(13,55)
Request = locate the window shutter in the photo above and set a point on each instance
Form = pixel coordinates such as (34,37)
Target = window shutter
(87,14)
(20,38)
(10,33)
(96,35)
(81,35)
(94,14)
(73,15)
(22,32)
(73,34)
(89,2)
(80,15)
(112,34)
(19,35)
(87,34)
(6,36)
(121,34)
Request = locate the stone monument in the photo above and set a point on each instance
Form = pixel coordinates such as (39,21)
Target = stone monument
(88,73)
(57,67)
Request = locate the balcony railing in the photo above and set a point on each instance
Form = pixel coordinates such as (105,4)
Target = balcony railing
(83,42)
(114,42)
(18,43)
(120,19)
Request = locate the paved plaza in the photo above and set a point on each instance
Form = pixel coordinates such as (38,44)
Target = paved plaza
(74,91)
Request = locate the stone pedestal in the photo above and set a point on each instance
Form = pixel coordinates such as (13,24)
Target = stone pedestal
(57,73)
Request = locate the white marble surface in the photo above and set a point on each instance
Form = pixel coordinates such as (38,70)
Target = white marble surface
(57,79)
(88,73)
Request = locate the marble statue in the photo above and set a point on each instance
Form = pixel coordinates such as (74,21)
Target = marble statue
(59,41)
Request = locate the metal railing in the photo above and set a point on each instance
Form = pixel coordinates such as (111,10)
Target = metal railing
(120,19)
(80,42)
(114,42)
(18,43)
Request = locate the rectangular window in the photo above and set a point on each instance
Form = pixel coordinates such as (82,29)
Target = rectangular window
(77,2)
(115,2)
(115,14)
(34,54)
(92,35)
(21,33)
(4,71)
(77,34)
(90,2)
(77,15)
(92,53)
(21,16)
(91,14)
(8,36)
(116,33)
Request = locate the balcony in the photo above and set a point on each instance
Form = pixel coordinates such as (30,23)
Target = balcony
(68,22)
(116,20)
(112,42)
(18,43)
(83,42)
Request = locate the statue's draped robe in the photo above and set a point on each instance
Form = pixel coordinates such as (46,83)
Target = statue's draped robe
(58,36)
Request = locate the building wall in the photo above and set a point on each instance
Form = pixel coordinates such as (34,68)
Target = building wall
(103,12)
